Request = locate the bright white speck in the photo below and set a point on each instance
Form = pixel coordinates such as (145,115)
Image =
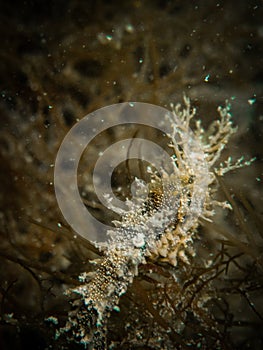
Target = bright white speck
(116,308)
(251,101)
(207,78)
(129,28)
(108,37)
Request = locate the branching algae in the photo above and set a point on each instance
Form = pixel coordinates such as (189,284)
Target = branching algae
(162,227)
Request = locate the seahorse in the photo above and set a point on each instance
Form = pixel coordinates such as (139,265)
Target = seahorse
(161,227)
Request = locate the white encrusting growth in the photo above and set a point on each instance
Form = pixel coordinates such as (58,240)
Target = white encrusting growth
(161,227)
